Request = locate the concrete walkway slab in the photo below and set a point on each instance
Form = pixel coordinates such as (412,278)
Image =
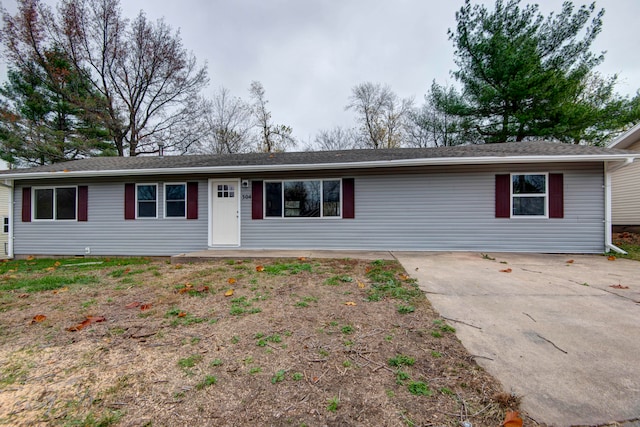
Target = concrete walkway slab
(552,330)
(206,255)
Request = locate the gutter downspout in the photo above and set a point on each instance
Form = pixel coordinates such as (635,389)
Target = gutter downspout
(608,238)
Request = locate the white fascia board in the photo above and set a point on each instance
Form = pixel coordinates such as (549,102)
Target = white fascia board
(324,166)
(627,139)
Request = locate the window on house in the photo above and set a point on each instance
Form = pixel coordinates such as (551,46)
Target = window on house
(147,200)
(529,195)
(308,199)
(57,203)
(5,225)
(175,200)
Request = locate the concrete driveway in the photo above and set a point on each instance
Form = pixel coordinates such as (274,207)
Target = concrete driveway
(552,331)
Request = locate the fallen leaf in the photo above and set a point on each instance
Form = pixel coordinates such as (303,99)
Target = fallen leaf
(133,304)
(63,289)
(315,379)
(506,270)
(38,318)
(259,268)
(50,269)
(361,285)
(611,258)
(301,258)
(404,277)
(56,264)
(30,258)
(86,322)
(202,289)
(350,303)
(569,261)
(512,419)
(619,287)
(23,296)
(231,280)
(228,293)
(182,314)
(177,266)
(146,306)
(126,271)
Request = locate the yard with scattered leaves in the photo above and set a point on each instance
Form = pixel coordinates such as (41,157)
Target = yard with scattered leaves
(134,341)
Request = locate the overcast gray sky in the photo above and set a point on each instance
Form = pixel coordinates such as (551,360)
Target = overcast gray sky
(308,54)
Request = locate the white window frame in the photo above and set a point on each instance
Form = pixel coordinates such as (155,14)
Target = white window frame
(545,195)
(157,201)
(294,218)
(164,196)
(55,189)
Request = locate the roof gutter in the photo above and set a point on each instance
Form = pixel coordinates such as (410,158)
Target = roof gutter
(626,158)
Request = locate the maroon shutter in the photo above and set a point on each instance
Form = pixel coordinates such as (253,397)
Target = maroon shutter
(256,199)
(556,195)
(348,198)
(503,196)
(129,201)
(26,204)
(83,203)
(192,200)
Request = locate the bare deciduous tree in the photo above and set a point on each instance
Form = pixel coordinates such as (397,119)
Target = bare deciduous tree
(381,114)
(229,124)
(149,83)
(337,138)
(273,137)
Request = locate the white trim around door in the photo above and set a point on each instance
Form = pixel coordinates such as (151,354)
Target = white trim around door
(224,212)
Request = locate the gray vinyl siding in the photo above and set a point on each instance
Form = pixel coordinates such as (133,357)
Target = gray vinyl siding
(107,232)
(446,210)
(432,209)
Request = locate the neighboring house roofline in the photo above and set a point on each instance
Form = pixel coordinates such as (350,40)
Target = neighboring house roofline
(507,153)
(627,139)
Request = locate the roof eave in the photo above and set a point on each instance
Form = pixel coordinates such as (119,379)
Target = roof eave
(627,139)
(324,166)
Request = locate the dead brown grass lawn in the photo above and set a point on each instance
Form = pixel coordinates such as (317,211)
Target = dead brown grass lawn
(303,342)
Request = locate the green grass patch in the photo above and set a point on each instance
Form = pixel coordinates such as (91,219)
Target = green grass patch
(278,377)
(385,282)
(401,377)
(406,309)
(262,340)
(240,306)
(633,251)
(111,418)
(338,280)
(333,405)
(281,268)
(67,264)
(206,382)
(443,327)
(47,283)
(419,388)
(401,360)
(182,318)
(190,362)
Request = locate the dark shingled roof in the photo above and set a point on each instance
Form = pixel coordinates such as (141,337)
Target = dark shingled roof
(512,150)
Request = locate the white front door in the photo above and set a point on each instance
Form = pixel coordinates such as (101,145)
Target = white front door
(225,212)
